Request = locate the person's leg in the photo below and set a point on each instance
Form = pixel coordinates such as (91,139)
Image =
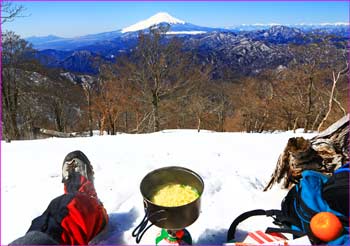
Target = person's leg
(77,216)
(34,238)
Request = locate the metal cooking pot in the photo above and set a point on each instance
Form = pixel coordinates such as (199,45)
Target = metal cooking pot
(171,218)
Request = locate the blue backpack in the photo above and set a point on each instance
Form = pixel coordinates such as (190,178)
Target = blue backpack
(314,193)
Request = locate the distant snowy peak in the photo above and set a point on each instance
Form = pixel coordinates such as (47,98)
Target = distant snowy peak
(153,20)
(260,26)
(324,24)
(298,24)
(177,27)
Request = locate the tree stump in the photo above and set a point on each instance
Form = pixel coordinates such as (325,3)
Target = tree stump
(323,153)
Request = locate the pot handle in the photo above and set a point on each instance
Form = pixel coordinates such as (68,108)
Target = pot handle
(142,227)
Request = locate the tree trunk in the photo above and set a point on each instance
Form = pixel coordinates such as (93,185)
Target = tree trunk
(14,132)
(324,153)
(330,103)
(9,92)
(295,124)
(137,122)
(221,121)
(90,116)
(111,124)
(126,125)
(199,124)
(315,121)
(102,123)
(155,105)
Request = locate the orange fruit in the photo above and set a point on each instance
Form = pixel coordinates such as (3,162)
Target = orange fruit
(326,226)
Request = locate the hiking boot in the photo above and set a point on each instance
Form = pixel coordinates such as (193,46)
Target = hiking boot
(75,163)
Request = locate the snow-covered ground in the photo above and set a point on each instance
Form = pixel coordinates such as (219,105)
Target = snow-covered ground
(234,166)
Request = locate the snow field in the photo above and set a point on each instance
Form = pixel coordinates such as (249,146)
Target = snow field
(235,168)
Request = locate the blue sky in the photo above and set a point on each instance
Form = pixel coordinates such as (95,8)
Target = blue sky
(70,19)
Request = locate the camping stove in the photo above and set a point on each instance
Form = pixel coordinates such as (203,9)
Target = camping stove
(174,237)
(172,221)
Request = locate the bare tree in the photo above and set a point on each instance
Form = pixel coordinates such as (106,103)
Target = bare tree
(10,11)
(307,65)
(161,70)
(58,100)
(88,88)
(256,94)
(13,63)
(200,107)
(113,99)
(107,106)
(220,104)
(311,65)
(336,76)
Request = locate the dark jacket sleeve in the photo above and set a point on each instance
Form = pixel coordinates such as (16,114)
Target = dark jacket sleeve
(35,238)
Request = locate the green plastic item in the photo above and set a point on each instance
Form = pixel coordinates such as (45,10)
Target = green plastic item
(180,237)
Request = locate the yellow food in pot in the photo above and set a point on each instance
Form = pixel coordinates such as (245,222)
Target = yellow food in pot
(173,195)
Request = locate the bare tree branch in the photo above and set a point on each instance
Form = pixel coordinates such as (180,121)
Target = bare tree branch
(10,11)
(330,104)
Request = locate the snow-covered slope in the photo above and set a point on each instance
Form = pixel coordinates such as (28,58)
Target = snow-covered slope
(234,166)
(156,19)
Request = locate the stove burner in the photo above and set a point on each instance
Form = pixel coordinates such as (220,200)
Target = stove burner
(174,237)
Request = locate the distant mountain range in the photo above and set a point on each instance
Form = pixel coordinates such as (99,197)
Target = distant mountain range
(302,26)
(177,27)
(244,46)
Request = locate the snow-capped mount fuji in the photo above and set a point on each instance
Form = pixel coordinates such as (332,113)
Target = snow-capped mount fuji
(156,19)
(177,26)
